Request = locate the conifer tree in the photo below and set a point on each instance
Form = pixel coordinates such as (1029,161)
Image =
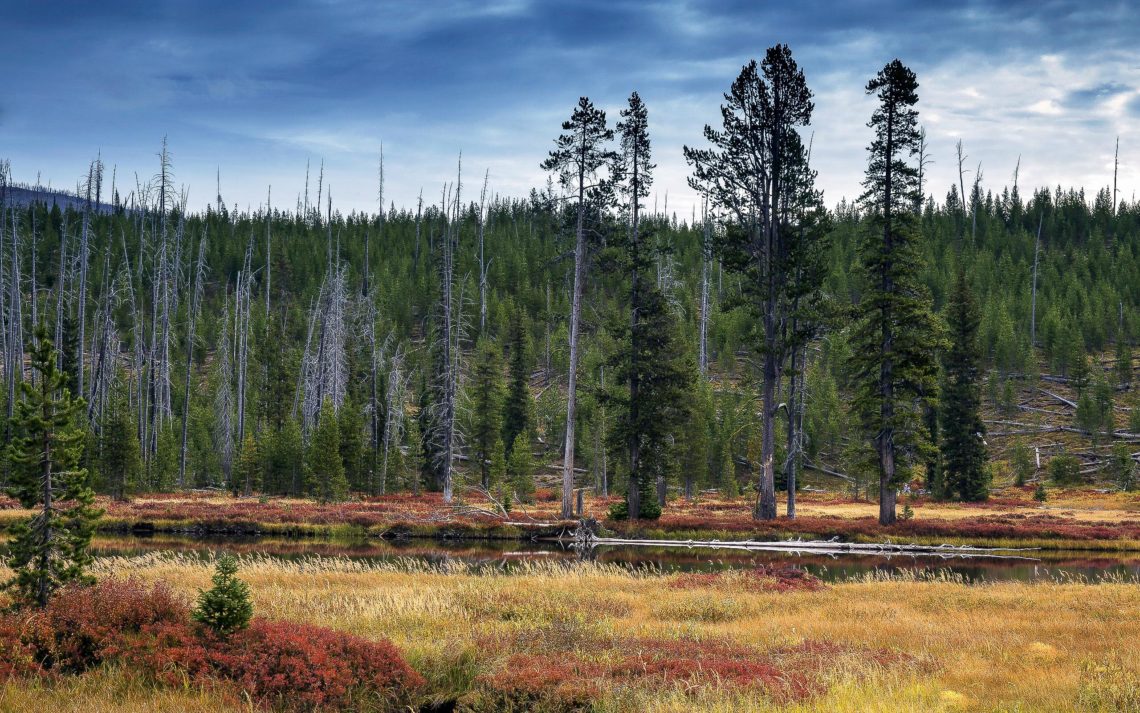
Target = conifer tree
(120,459)
(518,409)
(520,469)
(963,432)
(486,407)
(49,550)
(895,335)
(323,465)
(580,154)
(249,465)
(753,172)
(226,607)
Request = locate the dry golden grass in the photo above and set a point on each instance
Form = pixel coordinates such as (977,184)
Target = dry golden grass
(997,647)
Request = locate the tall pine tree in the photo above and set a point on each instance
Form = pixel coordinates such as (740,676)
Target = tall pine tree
(895,335)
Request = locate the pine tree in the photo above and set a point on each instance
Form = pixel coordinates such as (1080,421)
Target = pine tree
(963,432)
(120,460)
(226,607)
(350,424)
(520,469)
(1123,362)
(49,550)
(755,172)
(486,393)
(518,409)
(895,335)
(324,468)
(249,465)
(581,153)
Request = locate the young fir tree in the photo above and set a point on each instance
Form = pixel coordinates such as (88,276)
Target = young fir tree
(485,392)
(249,465)
(49,550)
(226,607)
(520,469)
(895,335)
(517,409)
(963,432)
(120,460)
(324,468)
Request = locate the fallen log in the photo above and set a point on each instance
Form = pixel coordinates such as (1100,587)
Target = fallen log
(823,547)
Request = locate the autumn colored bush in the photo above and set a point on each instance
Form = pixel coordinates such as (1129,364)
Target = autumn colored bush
(149,630)
(84,626)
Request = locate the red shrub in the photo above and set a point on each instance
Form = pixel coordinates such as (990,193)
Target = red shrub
(290,666)
(547,683)
(83,626)
(298,666)
(16,657)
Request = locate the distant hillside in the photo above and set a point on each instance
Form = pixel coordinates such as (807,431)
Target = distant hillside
(18,195)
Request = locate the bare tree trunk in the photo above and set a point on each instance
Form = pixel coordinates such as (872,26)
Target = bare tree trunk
(483,265)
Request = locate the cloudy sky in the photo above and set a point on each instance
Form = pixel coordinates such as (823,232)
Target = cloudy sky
(256,89)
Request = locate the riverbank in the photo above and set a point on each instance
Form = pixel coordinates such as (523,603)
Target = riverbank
(561,637)
(1074,519)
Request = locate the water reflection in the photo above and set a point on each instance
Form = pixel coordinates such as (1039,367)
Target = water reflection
(503,555)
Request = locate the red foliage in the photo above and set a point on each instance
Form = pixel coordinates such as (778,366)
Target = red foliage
(566,681)
(83,626)
(299,666)
(17,658)
(766,578)
(289,666)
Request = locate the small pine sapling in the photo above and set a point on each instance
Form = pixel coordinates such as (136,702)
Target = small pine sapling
(226,607)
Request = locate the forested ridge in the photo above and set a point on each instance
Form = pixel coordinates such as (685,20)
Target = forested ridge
(301,350)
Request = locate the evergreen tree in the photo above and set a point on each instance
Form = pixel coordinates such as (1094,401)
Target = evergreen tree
(895,335)
(1122,467)
(963,432)
(284,461)
(518,409)
(49,550)
(226,607)
(755,173)
(249,465)
(485,392)
(1123,362)
(120,461)
(350,423)
(324,468)
(581,153)
(520,470)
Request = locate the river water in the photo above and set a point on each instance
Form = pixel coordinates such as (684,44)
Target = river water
(1042,565)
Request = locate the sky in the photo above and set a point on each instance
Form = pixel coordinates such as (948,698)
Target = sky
(255,90)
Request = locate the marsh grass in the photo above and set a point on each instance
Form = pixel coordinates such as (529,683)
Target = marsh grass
(908,640)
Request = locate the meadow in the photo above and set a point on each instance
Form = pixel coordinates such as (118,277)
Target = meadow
(559,637)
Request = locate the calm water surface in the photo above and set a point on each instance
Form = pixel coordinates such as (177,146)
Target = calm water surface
(505,555)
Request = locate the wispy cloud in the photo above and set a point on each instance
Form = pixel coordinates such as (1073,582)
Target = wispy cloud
(258,88)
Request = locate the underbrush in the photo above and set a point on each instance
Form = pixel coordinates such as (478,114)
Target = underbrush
(285,666)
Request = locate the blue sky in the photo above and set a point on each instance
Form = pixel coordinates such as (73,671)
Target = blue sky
(255,89)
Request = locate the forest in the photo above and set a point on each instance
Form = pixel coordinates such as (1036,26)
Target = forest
(480,341)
